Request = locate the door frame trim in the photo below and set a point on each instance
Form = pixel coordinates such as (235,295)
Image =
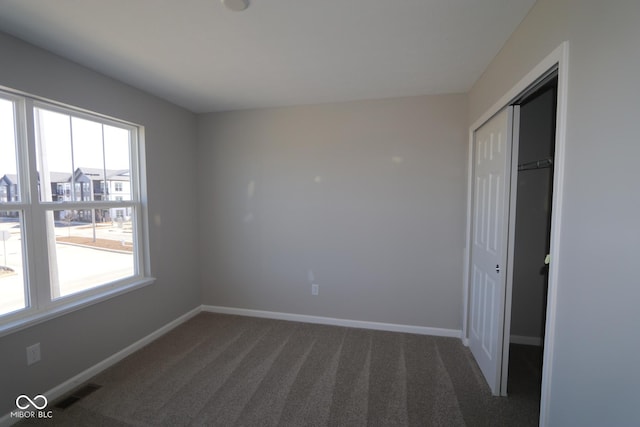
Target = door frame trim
(558,57)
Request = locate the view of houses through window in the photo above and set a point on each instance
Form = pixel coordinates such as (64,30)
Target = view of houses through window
(83,189)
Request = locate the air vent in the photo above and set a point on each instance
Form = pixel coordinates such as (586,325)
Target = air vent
(77,395)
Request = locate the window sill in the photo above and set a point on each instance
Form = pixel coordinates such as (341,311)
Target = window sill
(39,317)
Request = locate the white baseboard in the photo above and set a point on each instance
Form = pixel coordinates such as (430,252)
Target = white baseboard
(525,340)
(393,327)
(67,386)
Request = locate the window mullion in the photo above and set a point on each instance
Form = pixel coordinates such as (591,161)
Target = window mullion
(140,231)
(36,225)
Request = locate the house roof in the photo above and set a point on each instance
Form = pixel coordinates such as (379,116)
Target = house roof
(59,176)
(10,178)
(96,174)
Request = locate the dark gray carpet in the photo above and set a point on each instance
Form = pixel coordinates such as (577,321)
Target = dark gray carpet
(221,370)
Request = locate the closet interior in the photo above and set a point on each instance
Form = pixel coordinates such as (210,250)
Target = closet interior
(536,145)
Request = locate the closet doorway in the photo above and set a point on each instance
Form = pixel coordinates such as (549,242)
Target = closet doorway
(529,231)
(509,236)
(488,310)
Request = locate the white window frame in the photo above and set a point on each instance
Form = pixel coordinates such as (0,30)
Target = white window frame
(40,306)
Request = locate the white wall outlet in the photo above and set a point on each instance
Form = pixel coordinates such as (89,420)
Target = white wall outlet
(33,353)
(310,276)
(314,289)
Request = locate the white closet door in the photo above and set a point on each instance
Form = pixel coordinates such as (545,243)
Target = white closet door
(492,171)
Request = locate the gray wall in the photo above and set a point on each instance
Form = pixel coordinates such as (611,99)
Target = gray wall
(532,217)
(370,196)
(76,341)
(595,365)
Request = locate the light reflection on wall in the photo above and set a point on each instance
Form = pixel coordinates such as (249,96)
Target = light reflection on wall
(251,191)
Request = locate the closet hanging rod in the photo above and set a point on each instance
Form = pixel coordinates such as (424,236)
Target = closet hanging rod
(536,164)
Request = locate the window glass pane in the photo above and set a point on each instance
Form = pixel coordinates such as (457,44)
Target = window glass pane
(92,248)
(55,165)
(12,289)
(87,144)
(9,186)
(117,161)
(81,159)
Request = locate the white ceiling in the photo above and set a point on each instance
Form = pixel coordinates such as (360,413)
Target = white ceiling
(204,57)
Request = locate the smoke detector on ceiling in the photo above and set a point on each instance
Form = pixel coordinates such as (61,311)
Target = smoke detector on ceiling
(236,5)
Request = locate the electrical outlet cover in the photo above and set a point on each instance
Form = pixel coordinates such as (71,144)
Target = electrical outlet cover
(33,354)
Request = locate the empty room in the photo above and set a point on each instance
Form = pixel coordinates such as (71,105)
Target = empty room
(323,213)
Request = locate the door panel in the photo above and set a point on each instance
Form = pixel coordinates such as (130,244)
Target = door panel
(492,154)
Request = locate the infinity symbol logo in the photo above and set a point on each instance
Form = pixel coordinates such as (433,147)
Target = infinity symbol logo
(21,399)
